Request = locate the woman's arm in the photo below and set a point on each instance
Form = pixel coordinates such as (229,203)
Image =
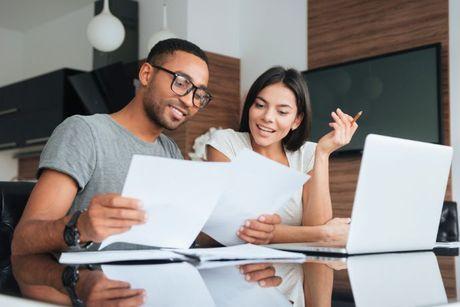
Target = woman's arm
(335,230)
(213,155)
(316,197)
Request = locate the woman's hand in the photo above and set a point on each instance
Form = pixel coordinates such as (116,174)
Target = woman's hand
(336,230)
(260,231)
(342,132)
(262,273)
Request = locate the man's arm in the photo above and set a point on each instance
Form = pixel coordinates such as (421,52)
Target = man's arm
(42,224)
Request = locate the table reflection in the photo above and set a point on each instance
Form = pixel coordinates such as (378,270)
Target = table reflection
(401,279)
(164,284)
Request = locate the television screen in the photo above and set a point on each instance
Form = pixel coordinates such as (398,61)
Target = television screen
(399,95)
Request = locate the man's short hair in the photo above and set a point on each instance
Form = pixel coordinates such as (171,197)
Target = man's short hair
(164,48)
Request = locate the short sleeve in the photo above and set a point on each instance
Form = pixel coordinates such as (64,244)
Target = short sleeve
(70,150)
(224,141)
(309,150)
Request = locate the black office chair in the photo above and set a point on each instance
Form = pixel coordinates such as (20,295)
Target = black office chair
(448,225)
(13,199)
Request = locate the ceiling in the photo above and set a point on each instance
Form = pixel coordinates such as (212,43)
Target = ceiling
(22,15)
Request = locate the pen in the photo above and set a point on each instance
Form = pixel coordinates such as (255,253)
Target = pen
(356,117)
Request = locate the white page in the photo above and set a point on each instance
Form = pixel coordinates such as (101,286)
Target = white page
(178,197)
(118,255)
(240,252)
(229,288)
(174,284)
(257,186)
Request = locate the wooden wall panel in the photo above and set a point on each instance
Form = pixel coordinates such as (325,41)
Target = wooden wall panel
(344,30)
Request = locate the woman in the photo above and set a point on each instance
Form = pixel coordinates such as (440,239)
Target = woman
(275,123)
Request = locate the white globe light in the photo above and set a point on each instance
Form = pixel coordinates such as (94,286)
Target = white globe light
(105,32)
(159,36)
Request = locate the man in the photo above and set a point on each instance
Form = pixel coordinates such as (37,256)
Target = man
(84,164)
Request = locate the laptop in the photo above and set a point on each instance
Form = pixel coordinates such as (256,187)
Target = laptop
(398,199)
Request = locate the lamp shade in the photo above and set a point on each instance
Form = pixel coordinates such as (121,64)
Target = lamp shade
(105,32)
(163,34)
(159,36)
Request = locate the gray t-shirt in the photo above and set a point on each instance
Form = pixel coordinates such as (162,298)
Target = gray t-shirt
(96,152)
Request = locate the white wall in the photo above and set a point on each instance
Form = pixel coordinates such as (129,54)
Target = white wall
(272,32)
(59,43)
(214,25)
(11,49)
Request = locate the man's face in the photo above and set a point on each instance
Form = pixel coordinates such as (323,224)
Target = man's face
(164,107)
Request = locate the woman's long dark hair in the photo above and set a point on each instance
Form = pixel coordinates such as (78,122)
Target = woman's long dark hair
(295,82)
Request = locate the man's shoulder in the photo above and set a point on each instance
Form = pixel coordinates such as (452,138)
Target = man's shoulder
(167,141)
(86,121)
(170,145)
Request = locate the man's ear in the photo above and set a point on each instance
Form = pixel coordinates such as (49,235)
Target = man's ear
(145,73)
(297,122)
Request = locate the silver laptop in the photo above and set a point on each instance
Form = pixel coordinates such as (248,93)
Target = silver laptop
(398,200)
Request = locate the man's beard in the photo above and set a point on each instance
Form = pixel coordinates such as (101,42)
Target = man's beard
(156,113)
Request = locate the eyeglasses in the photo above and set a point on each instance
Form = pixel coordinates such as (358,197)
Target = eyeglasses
(182,85)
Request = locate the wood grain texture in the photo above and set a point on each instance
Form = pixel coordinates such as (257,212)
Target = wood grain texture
(27,167)
(344,30)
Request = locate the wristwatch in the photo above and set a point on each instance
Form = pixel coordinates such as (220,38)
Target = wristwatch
(70,277)
(71,233)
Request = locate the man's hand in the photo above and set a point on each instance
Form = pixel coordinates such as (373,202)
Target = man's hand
(95,289)
(262,273)
(260,231)
(109,214)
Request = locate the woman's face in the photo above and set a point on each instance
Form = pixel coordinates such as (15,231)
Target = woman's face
(273,114)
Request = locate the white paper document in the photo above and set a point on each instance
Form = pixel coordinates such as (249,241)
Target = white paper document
(178,197)
(257,186)
(174,284)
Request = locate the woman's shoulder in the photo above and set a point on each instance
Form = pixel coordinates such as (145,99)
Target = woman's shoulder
(230,136)
(229,142)
(304,157)
(308,148)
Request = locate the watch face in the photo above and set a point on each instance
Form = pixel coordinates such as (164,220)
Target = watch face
(70,236)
